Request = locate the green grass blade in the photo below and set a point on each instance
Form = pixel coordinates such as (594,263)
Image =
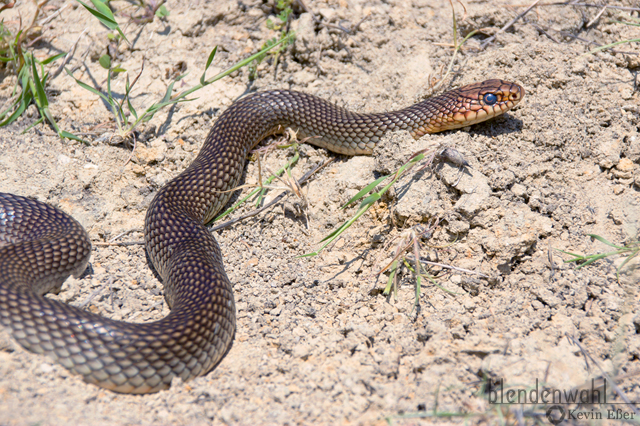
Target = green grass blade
(392,273)
(24,101)
(167,100)
(211,56)
(367,203)
(364,191)
(38,121)
(167,94)
(11,107)
(104,15)
(602,240)
(335,232)
(128,98)
(371,199)
(593,258)
(53,58)
(627,260)
(150,112)
(68,135)
(250,59)
(579,256)
(607,46)
(47,113)
(331,237)
(626,23)
(89,88)
(41,96)
(270,179)
(132,109)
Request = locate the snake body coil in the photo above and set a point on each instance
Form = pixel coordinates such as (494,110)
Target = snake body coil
(41,246)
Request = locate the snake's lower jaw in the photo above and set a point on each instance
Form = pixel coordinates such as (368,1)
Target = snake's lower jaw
(485,113)
(464,119)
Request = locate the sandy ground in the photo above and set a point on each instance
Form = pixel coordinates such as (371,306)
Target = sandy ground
(317,341)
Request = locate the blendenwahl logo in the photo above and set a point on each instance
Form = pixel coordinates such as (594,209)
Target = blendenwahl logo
(596,394)
(559,401)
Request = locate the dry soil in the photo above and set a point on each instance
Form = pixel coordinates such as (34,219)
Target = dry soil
(317,341)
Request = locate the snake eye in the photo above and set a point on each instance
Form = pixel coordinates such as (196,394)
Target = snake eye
(490,99)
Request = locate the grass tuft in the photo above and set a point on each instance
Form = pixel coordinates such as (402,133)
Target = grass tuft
(127,118)
(284,39)
(31,77)
(627,20)
(630,249)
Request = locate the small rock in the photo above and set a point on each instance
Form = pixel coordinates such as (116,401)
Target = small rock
(46,368)
(514,234)
(610,148)
(152,154)
(63,159)
(419,203)
(473,185)
(302,350)
(519,190)
(356,172)
(624,169)
(87,174)
(625,165)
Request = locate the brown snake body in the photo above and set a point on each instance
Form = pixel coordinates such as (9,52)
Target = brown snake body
(41,246)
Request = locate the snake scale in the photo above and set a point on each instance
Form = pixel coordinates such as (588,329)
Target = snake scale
(40,246)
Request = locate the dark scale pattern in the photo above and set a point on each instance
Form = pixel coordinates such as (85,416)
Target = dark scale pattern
(41,246)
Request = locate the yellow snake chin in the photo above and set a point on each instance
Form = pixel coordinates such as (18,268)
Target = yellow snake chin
(199,331)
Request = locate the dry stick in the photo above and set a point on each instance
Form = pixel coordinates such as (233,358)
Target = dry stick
(309,11)
(598,15)
(575,37)
(122,244)
(122,234)
(513,21)
(8,6)
(584,40)
(274,201)
(552,264)
(455,268)
(604,373)
(226,224)
(135,143)
(53,15)
(148,308)
(68,56)
(632,9)
(543,31)
(92,296)
(112,242)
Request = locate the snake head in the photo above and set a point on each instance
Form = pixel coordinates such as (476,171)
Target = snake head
(467,105)
(482,101)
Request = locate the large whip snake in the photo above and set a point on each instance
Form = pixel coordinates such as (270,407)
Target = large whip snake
(41,246)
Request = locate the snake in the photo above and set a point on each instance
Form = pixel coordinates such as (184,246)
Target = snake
(41,246)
